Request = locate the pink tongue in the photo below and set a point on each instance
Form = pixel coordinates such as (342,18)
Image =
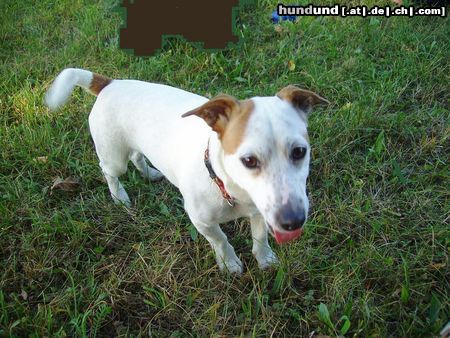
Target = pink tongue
(283,237)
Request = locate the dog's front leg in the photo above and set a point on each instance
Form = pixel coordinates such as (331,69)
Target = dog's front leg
(261,249)
(225,255)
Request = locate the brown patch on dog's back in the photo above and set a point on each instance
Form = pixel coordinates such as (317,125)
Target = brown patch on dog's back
(235,129)
(98,83)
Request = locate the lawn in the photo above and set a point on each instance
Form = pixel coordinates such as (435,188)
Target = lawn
(373,260)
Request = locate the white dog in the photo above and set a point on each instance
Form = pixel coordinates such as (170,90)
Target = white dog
(250,158)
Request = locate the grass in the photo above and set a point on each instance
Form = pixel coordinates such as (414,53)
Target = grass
(374,257)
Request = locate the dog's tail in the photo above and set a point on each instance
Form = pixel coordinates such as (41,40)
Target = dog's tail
(66,81)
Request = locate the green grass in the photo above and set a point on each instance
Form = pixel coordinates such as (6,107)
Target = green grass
(374,257)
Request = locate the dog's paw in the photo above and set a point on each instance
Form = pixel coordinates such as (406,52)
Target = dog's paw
(117,201)
(267,259)
(154,175)
(122,198)
(233,265)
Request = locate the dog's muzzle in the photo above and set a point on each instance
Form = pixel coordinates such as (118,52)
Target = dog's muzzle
(290,224)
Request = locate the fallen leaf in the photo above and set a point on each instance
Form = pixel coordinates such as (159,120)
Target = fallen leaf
(68,184)
(438,265)
(41,159)
(291,65)
(24,295)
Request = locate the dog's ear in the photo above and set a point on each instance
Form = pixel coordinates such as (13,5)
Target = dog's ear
(301,99)
(216,112)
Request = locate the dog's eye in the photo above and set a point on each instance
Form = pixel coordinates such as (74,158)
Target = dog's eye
(250,162)
(298,153)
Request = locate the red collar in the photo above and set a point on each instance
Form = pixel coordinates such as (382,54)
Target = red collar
(217,180)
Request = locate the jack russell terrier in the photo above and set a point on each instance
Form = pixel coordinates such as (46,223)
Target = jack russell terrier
(250,158)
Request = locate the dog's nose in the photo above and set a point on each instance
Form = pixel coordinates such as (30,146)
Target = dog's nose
(290,219)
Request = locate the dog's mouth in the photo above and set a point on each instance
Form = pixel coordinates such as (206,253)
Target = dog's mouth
(282,237)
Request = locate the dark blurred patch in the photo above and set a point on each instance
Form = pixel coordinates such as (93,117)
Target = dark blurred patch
(148,23)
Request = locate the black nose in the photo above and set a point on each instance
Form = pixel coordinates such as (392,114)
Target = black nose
(290,219)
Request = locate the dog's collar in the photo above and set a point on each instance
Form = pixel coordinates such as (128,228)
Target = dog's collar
(231,201)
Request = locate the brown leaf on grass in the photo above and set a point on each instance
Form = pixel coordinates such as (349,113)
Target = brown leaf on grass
(41,159)
(278,28)
(291,65)
(68,184)
(438,266)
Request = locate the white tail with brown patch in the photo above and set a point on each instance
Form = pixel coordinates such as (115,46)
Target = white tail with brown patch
(65,83)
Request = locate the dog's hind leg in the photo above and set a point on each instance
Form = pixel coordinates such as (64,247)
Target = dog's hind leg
(117,190)
(113,153)
(118,193)
(146,171)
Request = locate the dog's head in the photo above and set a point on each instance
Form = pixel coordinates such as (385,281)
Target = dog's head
(266,151)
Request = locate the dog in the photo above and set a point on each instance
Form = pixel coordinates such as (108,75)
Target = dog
(250,159)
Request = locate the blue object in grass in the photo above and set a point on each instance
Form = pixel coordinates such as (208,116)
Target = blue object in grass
(277,18)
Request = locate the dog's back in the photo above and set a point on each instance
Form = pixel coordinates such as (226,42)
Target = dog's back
(129,113)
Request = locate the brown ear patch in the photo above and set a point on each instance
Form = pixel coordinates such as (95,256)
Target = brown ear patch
(228,117)
(216,112)
(98,83)
(300,98)
(234,133)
